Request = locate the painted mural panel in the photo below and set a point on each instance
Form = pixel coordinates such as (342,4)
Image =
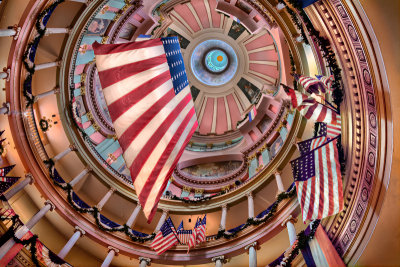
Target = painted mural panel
(213,169)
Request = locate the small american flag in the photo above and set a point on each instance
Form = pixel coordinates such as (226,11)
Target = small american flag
(310,84)
(319,182)
(149,101)
(183,235)
(165,238)
(193,237)
(252,113)
(201,231)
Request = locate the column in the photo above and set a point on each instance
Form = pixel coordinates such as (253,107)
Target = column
(25,228)
(106,197)
(80,176)
(279,183)
(12,31)
(219,261)
(57,30)
(223,217)
(252,254)
(250,202)
(5,74)
(71,242)
(290,228)
(5,109)
(51,92)
(47,65)
(161,221)
(111,253)
(143,262)
(132,218)
(18,187)
(64,153)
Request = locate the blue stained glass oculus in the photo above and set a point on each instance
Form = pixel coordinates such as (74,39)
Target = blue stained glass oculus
(214,62)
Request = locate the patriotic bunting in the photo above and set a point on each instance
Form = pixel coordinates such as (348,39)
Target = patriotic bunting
(319,182)
(154,118)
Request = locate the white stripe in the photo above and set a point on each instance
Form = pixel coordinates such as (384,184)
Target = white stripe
(163,240)
(307,199)
(138,143)
(335,178)
(316,189)
(125,86)
(137,110)
(316,112)
(146,170)
(108,61)
(326,182)
(299,192)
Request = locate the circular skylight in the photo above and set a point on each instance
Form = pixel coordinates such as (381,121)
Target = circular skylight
(214,62)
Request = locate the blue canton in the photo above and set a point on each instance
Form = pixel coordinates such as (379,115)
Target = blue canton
(175,63)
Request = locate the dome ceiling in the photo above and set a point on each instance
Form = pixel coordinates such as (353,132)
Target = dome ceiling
(236,55)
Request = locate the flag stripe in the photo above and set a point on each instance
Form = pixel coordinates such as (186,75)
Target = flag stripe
(123,104)
(123,87)
(136,144)
(146,189)
(160,138)
(114,75)
(174,157)
(105,49)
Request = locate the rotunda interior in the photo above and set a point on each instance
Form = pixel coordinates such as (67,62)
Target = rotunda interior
(70,191)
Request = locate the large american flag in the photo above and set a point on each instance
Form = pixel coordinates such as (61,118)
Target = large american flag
(149,101)
(165,238)
(311,109)
(326,132)
(319,182)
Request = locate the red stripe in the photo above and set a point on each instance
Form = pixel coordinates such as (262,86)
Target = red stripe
(322,115)
(135,128)
(189,136)
(310,111)
(123,104)
(313,201)
(104,49)
(144,194)
(111,76)
(321,184)
(153,140)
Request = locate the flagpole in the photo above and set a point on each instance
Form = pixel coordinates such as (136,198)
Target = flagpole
(174,232)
